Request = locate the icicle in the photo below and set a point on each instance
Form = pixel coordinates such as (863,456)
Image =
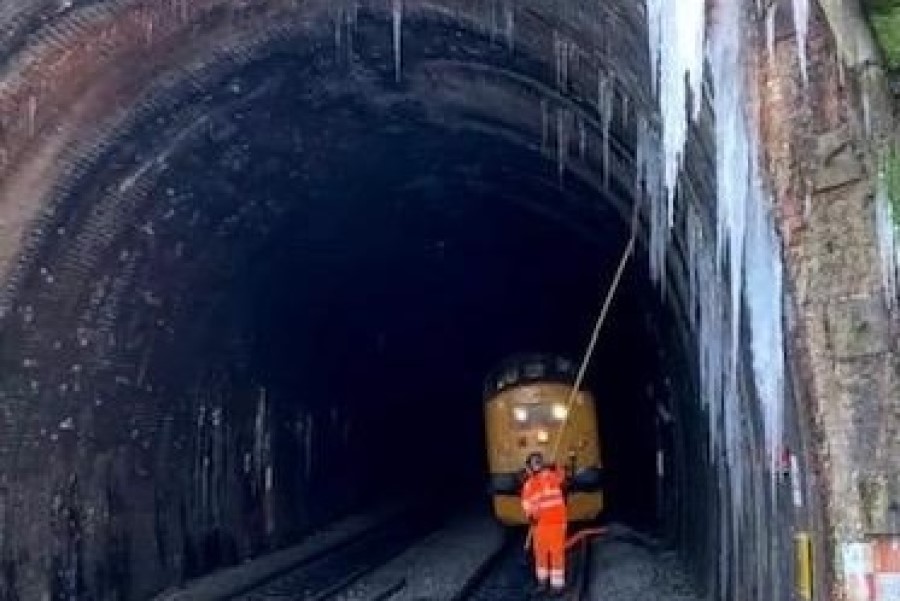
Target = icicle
(887,243)
(397,14)
(743,266)
(338,25)
(733,158)
(559,53)
(563,51)
(509,12)
(32,114)
(545,123)
(771,15)
(259,435)
(353,14)
(185,11)
(746,228)
(582,139)
(659,238)
(676,37)
(692,235)
(801,27)
(492,32)
(866,110)
(764,286)
(147,21)
(351,18)
(640,158)
(562,143)
(605,96)
(648,165)
(654,37)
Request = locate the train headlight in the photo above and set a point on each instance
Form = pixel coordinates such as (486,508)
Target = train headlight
(560,411)
(520,414)
(543,436)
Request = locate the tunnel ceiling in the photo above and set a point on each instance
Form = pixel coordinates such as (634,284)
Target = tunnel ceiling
(454,72)
(239,123)
(101,154)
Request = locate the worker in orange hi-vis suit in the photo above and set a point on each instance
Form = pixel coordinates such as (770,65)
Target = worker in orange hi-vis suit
(544,504)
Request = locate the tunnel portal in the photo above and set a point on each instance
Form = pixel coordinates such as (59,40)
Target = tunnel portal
(260,257)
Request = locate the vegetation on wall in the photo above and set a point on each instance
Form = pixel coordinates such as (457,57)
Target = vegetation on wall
(884,15)
(891,171)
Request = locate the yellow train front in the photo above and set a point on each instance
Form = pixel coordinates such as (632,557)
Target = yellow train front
(525,406)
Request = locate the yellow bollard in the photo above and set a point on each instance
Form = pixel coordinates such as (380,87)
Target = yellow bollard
(804,564)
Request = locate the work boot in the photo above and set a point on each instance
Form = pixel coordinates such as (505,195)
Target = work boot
(557,592)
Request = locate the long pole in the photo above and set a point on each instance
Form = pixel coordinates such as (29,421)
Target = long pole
(595,335)
(592,344)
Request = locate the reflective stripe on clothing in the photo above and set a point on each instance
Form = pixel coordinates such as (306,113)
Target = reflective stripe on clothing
(528,507)
(558,578)
(542,496)
(548,496)
(549,552)
(549,502)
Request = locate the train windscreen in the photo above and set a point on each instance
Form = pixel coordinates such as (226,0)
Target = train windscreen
(542,415)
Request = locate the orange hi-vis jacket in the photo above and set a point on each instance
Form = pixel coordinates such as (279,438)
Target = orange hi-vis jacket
(542,497)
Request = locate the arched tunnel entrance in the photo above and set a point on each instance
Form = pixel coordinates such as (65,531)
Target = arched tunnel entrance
(262,257)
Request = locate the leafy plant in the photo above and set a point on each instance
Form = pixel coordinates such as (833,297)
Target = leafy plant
(884,15)
(891,171)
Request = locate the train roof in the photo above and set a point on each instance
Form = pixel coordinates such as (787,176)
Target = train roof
(528,367)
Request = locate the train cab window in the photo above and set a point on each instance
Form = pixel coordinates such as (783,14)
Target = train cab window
(534,371)
(526,417)
(564,366)
(510,377)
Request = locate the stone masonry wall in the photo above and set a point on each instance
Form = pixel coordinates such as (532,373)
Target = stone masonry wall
(823,171)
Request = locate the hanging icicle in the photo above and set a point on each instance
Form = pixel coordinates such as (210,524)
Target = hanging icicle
(801,27)
(397,17)
(676,36)
(509,18)
(771,15)
(650,180)
(887,238)
(605,97)
(745,259)
(562,143)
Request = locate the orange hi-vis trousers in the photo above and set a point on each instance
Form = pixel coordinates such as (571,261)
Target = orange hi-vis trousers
(550,552)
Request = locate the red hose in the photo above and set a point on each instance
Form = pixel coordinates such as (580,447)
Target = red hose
(583,534)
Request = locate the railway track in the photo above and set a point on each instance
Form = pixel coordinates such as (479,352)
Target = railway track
(409,557)
(412,556)
(328,576)
(580,573)
(510,576)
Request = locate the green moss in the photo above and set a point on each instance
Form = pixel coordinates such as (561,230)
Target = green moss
(891,172)
(884,16)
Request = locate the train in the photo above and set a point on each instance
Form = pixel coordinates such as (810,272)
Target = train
(525,410)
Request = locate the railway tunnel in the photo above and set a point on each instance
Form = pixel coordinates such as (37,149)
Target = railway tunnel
(258,257)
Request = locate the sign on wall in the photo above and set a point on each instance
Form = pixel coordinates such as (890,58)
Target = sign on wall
(858,567)
(887,569)
(872,569)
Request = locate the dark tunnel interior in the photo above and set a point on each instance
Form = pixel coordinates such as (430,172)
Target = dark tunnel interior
(316,280)
(396,293)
